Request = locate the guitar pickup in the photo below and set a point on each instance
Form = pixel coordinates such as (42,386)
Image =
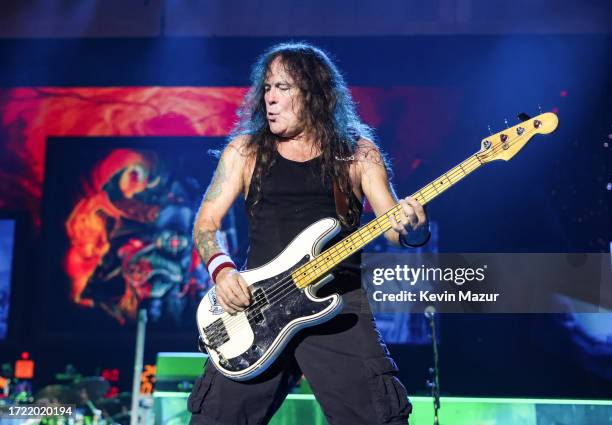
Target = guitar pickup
(259,298)
(216,334)
(260,301)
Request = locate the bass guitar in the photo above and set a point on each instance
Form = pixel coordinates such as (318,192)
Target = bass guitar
(283,301)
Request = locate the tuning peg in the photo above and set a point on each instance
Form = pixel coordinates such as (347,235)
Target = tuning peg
(539,108)
(490,131)
(506,122)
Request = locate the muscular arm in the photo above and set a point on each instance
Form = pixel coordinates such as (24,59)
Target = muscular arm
(227,183)
(381,196)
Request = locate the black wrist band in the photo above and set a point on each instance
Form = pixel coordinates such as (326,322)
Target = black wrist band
(405,244)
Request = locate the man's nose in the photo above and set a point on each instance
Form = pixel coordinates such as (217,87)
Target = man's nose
(271,97)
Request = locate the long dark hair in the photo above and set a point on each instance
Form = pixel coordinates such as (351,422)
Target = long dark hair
(328,112)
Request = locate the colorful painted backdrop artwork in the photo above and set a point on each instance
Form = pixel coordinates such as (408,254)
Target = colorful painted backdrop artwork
(31,114)
(130,240)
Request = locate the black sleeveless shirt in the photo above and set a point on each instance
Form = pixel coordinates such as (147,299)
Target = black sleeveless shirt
(293,197)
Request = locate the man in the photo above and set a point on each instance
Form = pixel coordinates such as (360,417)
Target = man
(300,153)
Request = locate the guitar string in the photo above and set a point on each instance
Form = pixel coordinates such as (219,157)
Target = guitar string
(287,282)
(288,286)
(430,189)
(285,286)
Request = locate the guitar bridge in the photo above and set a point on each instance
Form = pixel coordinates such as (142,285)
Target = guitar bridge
(216,334)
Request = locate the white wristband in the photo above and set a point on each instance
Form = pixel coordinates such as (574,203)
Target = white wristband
(218,262)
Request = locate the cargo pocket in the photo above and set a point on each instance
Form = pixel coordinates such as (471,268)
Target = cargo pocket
(389,396)
(201,386)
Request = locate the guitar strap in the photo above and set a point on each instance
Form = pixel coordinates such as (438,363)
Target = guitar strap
(341,204)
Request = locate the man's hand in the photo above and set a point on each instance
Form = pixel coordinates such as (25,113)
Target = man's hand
(413,225)
(232,291)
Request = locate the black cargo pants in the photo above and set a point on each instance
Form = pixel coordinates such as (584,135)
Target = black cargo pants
(345,361)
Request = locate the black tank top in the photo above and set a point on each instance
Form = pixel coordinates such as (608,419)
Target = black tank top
(293,197)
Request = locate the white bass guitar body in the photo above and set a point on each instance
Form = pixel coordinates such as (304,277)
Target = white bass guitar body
(244,344)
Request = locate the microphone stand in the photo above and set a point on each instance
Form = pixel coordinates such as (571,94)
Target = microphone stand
(434,382)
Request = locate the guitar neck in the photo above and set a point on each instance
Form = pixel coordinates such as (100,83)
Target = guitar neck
(321,265)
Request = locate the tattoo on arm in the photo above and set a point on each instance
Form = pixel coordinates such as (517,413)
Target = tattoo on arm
(214,189)
(206,238)
(370,154)
(206,243)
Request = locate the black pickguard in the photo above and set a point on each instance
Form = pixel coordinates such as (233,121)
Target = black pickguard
(268,315)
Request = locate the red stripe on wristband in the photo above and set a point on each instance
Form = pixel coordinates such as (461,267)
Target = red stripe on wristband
(212,258)
(219,268)
(218,262)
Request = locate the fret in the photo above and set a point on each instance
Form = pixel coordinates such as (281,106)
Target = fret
(456,174)
(470,164)
(331,257)
(441,186)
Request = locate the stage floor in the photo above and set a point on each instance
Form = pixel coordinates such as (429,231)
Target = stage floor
(303,409)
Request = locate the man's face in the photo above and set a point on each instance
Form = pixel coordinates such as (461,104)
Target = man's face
(283,101)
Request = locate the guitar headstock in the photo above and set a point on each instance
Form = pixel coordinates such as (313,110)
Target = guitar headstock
(505,144)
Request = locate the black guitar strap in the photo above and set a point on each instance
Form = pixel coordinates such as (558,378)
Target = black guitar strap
(341,204)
